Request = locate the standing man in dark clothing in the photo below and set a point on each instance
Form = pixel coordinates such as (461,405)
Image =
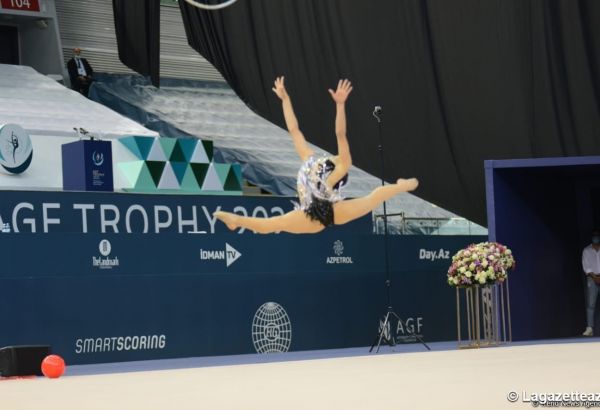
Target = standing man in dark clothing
(80,72)
(590,260)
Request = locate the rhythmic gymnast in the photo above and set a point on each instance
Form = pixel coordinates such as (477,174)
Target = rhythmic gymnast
(319,180)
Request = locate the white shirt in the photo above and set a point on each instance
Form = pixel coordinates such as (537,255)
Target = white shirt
(80,67)
(590,260)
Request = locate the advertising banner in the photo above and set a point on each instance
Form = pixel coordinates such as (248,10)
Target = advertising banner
(115,296)
(81,212)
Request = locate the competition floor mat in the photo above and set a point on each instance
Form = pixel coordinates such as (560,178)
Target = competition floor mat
(507,377)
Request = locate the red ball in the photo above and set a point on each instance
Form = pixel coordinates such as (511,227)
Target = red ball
(53,366)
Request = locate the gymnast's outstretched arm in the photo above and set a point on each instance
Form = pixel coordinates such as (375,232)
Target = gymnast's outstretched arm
(290,120)
(340,95)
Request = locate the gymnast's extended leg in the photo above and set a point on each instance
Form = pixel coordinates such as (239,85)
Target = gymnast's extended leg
(346,211)
(292,222)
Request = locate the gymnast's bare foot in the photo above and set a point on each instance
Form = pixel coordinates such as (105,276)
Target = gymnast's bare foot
(408,184)
(227,218)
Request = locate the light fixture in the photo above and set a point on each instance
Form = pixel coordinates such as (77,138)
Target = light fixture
(42,24)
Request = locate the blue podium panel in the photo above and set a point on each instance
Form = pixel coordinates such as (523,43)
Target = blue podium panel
(87,166)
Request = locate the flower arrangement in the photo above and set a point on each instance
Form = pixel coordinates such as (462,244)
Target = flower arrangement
(484,263)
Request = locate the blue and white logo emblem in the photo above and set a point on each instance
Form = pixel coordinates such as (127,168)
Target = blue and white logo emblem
(16,151)
(104,261)
(98,158)
(339,258)
(338,248)
(271,329)
(104,247)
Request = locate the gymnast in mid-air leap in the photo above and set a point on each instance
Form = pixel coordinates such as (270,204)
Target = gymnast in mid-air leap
(319,180)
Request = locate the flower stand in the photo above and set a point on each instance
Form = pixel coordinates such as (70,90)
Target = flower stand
(486,315)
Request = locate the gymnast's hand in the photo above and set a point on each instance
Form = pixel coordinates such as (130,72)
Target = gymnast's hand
(344,89)
(279,88)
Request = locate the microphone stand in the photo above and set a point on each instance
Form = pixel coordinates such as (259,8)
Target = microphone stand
(384,334)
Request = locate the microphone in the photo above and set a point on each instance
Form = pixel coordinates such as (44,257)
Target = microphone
(377,111)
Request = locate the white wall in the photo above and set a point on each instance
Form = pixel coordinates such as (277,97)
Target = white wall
(39,47)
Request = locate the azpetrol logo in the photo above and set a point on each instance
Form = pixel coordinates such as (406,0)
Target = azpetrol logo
(229,255)
(104,262)
(338,250)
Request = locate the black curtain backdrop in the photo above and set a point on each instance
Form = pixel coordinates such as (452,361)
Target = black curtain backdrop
(460,81)
(137,25)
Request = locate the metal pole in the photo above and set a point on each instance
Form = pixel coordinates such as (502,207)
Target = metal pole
(469,298)
(458,314)
(477,320)
(508,311)
(503,316)
(388,279)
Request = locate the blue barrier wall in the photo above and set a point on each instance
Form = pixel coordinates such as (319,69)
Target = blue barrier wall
(101,297)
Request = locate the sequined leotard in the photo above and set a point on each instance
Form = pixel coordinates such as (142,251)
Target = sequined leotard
(316,199)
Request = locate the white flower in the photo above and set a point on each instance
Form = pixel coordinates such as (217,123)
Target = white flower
(468,274)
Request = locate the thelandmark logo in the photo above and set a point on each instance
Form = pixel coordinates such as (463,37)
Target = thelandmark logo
(105,247)
(229,255)
(104,261)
